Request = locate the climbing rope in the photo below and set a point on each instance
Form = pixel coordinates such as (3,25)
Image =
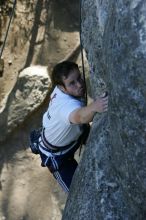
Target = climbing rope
(83,66)
(3,46)
(82,55)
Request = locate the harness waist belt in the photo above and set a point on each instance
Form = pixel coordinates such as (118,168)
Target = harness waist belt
(52,148)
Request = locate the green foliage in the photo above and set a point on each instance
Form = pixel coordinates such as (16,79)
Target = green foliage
(5,7)
(5,11)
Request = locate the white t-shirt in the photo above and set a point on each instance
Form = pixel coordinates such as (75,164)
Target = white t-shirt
(58,129)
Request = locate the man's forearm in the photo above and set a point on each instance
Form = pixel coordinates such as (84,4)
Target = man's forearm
(85,114)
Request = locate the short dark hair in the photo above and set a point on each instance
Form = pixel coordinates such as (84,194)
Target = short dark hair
(61,70)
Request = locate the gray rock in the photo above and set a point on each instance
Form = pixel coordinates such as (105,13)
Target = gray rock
(110,182)
(27,95)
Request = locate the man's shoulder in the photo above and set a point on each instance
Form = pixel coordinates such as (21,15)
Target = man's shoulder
(63,99)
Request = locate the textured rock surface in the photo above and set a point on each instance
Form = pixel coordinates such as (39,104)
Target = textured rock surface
(110,182)
(27,95)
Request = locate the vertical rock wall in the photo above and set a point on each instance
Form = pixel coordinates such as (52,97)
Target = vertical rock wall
(110,182)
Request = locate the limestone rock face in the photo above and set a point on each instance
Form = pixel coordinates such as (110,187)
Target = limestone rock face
(110,182)
(27,95)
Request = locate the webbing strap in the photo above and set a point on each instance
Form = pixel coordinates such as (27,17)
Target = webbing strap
(53,148)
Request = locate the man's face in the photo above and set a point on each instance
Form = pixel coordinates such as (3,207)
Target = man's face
(74,84)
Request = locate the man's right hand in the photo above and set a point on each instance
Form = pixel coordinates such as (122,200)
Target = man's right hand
(100,104)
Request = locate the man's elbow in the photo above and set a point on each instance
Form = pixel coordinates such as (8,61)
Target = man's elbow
(75,117)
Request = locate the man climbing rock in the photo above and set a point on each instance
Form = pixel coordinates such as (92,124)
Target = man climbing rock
(65,123)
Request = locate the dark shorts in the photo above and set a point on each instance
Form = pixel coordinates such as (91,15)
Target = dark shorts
(62,166)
